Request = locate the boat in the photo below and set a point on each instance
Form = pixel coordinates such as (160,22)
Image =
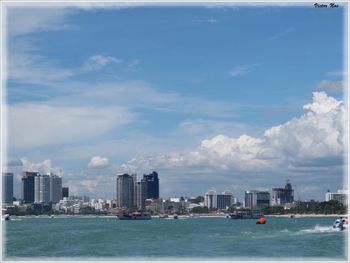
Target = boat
(135,216)
(163,216)
(7,217)
(341,223)
(176,217)
(261,221)
(246,214)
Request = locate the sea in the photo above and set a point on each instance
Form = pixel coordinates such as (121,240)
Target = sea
(307,238)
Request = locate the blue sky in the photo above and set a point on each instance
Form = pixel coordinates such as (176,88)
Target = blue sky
(145,88)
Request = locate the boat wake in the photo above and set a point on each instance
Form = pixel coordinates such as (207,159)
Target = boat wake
(319,229)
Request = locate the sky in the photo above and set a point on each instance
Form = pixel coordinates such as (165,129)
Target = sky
(231,97)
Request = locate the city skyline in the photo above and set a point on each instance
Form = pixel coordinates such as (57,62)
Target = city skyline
(235,97)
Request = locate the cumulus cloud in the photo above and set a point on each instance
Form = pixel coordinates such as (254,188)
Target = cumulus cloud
(98,162)
(317,136)
(24,164)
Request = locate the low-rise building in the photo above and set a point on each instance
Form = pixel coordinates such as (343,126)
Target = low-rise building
(341,196)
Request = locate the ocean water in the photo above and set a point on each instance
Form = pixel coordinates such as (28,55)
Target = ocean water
(193,239)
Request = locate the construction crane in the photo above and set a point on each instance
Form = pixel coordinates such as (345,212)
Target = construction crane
(296,190)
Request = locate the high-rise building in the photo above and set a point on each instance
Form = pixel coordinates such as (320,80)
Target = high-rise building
(210,199)
(7,188)
(224,200)
(139,195)
(48,188)
(341,196)
(55,188)
(42,188)
(152,185)
(65,192)
(28,189)
(125,191)
(256,199)
(219,201)
(282,196)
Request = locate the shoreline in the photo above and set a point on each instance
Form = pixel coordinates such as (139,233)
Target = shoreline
(305,215)
(180,216)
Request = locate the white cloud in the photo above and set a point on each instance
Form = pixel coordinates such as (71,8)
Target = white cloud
(28,68)
(89,185)
(239,70)
(336,72)
(26,18)
(322,103)
(317,137)
(98,162)
(331,85)
(97,62)
(140,95)
(35,125)
(21,21)
(309,150)
(43,167)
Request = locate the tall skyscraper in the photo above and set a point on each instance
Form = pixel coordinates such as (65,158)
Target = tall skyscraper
(65,192)
(125,191)
(28,188)
(139,195)
(152,185)
(55,188)
(7,188)
(48,188)
(42,188)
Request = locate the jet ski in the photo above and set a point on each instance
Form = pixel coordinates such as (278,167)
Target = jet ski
(341,223)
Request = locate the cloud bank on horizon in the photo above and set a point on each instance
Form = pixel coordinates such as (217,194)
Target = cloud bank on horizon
(313,143)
